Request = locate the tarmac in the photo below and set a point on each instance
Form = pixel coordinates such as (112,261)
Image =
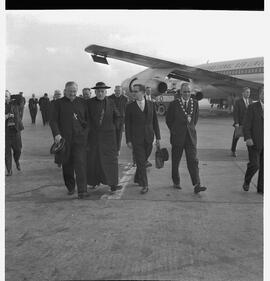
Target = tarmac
(165,234)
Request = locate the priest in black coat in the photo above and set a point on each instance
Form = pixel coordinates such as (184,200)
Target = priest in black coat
(102,166)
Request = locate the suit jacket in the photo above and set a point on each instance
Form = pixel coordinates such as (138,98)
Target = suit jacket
(32,104)
(141,126)
(44,104)
(253,125)
(239,111)
(120,103)
(62,119)
(178,124)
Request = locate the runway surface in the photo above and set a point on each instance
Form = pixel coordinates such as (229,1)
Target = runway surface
(165,234)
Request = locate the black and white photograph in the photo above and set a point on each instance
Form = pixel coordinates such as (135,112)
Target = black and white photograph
(134,145)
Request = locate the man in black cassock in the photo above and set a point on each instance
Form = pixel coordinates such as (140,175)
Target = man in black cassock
(102,166)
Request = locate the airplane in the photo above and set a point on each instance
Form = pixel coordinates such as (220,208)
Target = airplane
(216,81)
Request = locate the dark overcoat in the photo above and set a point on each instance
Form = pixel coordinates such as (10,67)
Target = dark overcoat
(102,148)
(178,124)
(253,125)
(239,111)
(141,127)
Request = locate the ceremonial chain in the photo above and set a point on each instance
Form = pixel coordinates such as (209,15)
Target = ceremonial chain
(188,115)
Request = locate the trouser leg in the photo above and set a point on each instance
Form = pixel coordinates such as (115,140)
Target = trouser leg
(43,114)
(17,147)
(68,171)
(8,155)
(119,133)
(253,164)
(79,160)
(140,157)
(177,152)
(148,149)
(192,161)
(234,142)
(260,186)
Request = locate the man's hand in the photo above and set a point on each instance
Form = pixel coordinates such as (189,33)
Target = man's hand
(57,138)
(236,125)
(158,143)
(129,144)
(249,142)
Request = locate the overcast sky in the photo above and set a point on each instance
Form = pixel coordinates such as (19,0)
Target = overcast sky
(46,48)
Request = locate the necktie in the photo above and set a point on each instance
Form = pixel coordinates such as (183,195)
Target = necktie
(246,102)
(185,105)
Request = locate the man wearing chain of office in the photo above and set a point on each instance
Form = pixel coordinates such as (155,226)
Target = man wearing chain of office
(181,119)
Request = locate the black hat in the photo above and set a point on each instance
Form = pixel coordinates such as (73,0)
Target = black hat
(101,85)
(161,155)
(56,147)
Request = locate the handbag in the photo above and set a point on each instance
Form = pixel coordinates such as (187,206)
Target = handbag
(238,132)
(158,158)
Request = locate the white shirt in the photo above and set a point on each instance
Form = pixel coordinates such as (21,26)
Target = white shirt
(262,105)
(183,100)
(148,97)
(141,104)
(246,101)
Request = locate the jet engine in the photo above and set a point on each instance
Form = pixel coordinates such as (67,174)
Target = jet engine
(158,87)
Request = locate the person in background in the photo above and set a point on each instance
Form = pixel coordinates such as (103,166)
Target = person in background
(141,125)
(239,111)
(44,105)
(69,121)
(120,102)
(181,119)
(86,93)
(102,166)
(22,104)
(32,104)
(253,135)
(13,128)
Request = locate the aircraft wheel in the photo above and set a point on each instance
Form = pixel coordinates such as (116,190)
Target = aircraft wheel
(161,109)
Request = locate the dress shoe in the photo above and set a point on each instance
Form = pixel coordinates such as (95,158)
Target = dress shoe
(246,186)
(9,173)
(260,191)
(18,166)
(116,187)
(198,188)
(71,192)
(83,195)
(148,164)
(92,186)
(144,189)
(233,154)
(177,186)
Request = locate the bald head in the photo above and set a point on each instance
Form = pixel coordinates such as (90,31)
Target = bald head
(118,90)
(185,91)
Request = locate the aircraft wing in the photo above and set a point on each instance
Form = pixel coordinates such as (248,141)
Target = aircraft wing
(180,71)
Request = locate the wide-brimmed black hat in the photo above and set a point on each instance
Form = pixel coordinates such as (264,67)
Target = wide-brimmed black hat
(101,85)
(56,147)
(161,155)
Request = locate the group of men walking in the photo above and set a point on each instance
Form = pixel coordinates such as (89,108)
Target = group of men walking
(92,131)
(89,130)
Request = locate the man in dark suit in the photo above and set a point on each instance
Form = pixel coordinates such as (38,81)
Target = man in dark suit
(102,166)
(44,105)
(120,102)
(69,120)
(239,111)
(32,104)
(253,135)
(22,104)
(141,124)
(181,119)
(13,128)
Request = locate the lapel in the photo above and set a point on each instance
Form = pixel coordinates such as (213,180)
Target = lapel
(259,109)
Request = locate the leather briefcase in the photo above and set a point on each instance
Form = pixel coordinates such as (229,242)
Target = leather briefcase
(238,133)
